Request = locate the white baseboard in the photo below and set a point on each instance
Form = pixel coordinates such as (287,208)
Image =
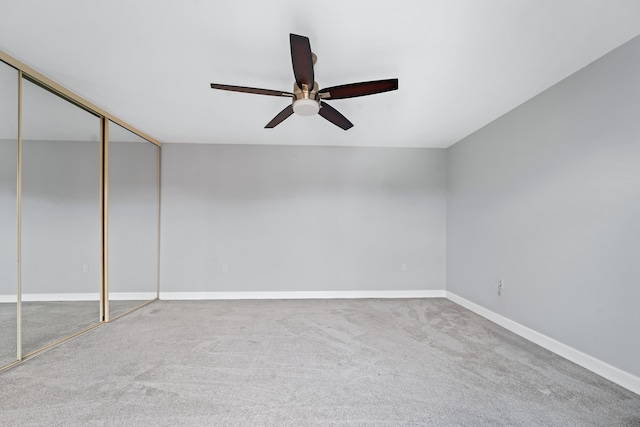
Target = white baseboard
(90,296)
(618,376)
(132,296)
(300,295)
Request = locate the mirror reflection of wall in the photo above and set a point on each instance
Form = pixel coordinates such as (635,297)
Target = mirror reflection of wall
(61,260)
(8,213)
(132,220)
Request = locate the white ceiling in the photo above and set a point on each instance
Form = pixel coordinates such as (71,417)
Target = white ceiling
(461,63)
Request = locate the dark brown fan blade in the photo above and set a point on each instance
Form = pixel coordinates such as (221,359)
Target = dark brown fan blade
(359,89)
(334,116)
(302,60)
(280,117)
(251,90)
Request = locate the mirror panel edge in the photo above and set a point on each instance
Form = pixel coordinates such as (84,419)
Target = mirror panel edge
(9,218)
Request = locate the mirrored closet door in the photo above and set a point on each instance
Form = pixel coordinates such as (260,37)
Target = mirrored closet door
(8,213)
(133,218)
(61,224)
(79,214)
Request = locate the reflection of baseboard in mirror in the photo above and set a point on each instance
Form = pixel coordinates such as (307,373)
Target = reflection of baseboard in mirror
(60,297)
(133,296)
(118,296)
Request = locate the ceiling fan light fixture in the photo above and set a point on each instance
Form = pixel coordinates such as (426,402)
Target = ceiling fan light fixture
(306,107)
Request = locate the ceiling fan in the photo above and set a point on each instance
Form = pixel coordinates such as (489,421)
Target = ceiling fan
(307,99)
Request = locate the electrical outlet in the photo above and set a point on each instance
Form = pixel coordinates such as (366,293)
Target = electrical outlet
(225,268)
(85,268)
(403,267)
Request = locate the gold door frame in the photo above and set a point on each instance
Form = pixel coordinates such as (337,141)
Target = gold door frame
(104,219)
(19,224)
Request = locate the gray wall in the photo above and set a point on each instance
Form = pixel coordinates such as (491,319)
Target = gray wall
(547,198)
(8,219)
(133,217)
(8,182)
(302,218)
(60,196)
(60,217)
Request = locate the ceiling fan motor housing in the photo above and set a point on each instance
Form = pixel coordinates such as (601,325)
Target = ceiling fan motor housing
(306,102)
